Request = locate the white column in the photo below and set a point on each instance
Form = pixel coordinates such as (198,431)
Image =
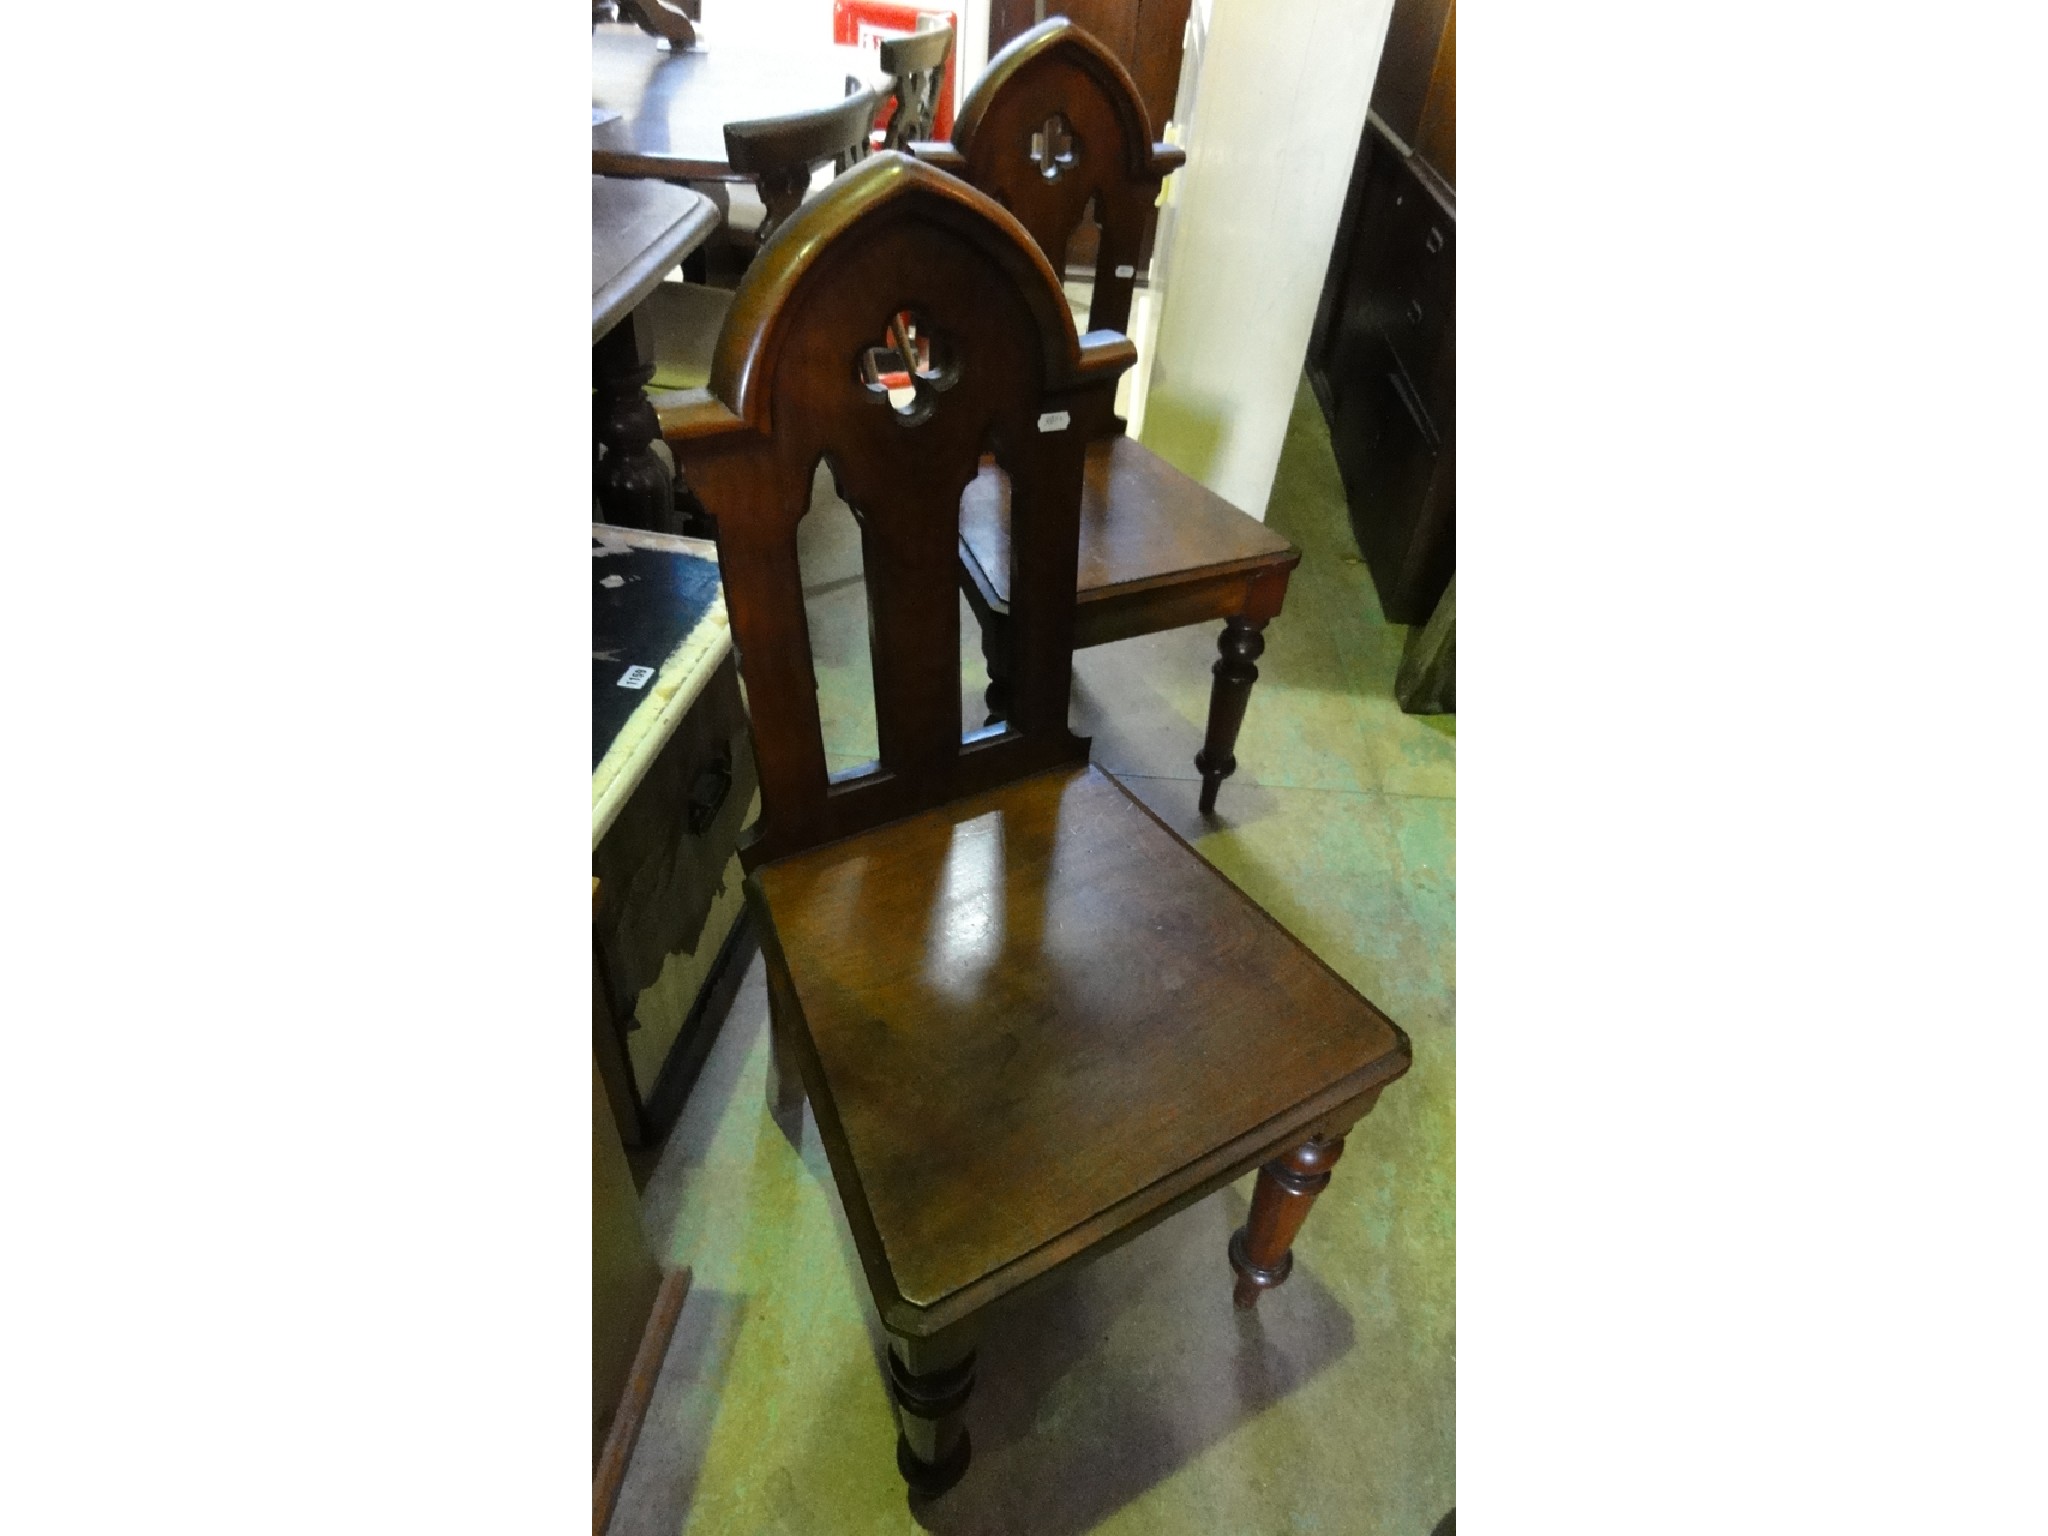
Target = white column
(1278,105)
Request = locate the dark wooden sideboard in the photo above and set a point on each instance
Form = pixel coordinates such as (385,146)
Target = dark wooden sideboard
(1383,364)
(1382,356)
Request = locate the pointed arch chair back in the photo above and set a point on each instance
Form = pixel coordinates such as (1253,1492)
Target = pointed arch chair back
(897,327)
(1056,123)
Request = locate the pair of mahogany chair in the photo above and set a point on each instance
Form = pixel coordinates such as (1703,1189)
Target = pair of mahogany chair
(1054,128)
(1030,1020)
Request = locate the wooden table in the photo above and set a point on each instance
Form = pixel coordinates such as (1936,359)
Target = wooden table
(639,230)
(673,107)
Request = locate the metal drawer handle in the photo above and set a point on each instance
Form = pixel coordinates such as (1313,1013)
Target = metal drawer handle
(708,792)
(1434,240)
(1415,311)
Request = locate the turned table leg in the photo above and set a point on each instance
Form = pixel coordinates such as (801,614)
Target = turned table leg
(930,1380)
(1241,644)
(1260,1250)
(634,486)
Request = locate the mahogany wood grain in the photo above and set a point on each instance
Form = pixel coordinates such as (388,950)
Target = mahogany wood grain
(1029,1019)
(1144,525)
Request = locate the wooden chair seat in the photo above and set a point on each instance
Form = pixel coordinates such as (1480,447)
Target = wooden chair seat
(1001,1086)
(1150,537)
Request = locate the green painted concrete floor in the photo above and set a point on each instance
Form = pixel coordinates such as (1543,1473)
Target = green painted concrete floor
(1131,1397)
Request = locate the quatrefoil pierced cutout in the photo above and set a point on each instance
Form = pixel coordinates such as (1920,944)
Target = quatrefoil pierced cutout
(1053,149)
(910,369)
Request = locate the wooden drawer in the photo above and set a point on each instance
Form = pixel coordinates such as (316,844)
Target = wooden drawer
(1401,275)
(1396,463)
(1415,307)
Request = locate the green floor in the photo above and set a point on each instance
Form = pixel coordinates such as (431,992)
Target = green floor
(1132,1397)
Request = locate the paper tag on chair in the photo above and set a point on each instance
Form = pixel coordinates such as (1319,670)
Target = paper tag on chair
(1126,271)
(635,677)
(1054,421)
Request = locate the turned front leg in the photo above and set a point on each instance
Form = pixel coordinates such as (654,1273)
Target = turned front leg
(1261,1249)
(930,1381)
(1241,645)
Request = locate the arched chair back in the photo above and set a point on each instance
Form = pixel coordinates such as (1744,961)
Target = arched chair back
(1054,124)
(781,154)
(916,67)
(898,327)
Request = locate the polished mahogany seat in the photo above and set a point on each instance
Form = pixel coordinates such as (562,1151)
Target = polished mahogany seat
(1054,128)
(1029,1019)
(1036,1021)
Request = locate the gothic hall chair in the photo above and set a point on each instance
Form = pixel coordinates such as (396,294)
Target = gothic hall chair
(1030,1020)
(1054,125)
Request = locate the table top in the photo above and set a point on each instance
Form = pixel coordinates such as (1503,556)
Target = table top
(639,231)
(658,632)
(673,107)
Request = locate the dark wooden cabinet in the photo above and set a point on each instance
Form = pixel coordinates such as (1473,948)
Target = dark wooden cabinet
(1383,364)
(1382,357)
(669,928)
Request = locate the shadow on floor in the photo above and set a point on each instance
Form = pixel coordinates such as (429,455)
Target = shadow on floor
(1116,1376)
(1111,1377)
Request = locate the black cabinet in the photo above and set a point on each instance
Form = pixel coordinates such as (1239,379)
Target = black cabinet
(1383,364)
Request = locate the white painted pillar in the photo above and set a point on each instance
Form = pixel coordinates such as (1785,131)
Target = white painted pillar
(1279,103)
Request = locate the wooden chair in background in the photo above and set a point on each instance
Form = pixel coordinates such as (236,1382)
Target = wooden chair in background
(1054,127)
(916,67)
(781,155)
(1030,1020)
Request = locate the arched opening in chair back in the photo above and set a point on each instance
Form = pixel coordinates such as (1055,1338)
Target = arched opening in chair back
(897,328)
